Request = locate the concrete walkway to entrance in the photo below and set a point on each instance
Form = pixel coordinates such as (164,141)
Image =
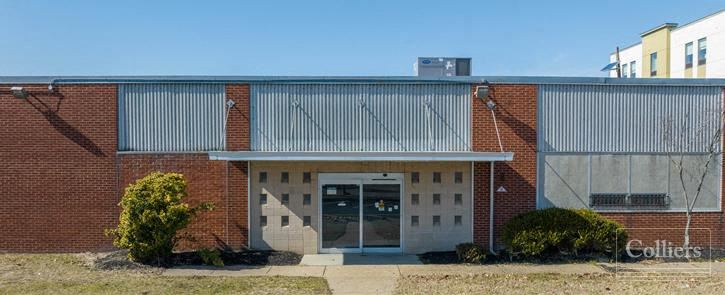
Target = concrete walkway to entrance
(379,278)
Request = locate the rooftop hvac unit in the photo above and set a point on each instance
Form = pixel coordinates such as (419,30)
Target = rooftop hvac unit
(442,67)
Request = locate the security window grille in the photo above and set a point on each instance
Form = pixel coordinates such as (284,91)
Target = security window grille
(608,200)
(649,200)
(436,199)
(306,200)
(285,177)
(285,199)
(262,177)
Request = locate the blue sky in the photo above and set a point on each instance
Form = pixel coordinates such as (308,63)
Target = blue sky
(560,38)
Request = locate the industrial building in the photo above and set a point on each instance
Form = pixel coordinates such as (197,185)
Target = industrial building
(353,164)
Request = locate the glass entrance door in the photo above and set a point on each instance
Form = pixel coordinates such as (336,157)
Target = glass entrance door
(360,212)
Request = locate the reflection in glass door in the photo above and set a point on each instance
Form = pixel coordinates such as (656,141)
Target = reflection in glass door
(381,216)
(340,216)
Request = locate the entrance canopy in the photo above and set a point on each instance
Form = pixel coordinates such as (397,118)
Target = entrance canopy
(364,156)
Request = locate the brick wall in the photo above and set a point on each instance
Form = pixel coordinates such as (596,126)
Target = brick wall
(57,168)
(61,178)
(516,118)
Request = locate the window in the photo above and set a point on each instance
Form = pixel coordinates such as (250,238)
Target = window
(414,177)
(653,64)
(701,51)
(436,220)
(262,221)
(285,220)
(459,177)
(458,199)
(306,221)
(436,199)
(633,69)
(436,177)
(306,177)
(263,199)
(625,71)
(285,177)
(262,177)
(414,220)
(688,55)
(415,199)
(458,220)
(285,199)
(306,200)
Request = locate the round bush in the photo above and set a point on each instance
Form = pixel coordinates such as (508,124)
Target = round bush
(152,214)
(563,231)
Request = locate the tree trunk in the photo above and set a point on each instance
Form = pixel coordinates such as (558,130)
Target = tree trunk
(686,244)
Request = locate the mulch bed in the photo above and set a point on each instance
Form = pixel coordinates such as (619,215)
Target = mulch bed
(247,257)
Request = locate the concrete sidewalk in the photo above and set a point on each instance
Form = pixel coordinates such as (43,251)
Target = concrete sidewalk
(381,279)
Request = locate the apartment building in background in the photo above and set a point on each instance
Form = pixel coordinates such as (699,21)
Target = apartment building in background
(693,50)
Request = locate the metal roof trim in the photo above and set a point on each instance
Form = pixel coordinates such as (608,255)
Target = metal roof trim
(363,156)
(56,80)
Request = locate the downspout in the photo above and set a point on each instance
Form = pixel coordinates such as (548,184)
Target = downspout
(490,212)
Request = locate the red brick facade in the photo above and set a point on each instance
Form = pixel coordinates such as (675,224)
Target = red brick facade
(61,178)
(516,119)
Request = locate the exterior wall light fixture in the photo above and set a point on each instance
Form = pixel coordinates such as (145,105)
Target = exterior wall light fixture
(19,92)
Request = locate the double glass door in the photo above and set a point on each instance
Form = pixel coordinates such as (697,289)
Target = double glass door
(360,212)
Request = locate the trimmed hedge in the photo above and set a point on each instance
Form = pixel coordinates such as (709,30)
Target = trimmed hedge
(563,231)
(470,253)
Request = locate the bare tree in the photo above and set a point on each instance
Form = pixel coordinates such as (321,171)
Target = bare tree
(694,174)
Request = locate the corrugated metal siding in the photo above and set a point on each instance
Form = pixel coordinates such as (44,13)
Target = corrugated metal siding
(617,118)
(170,117)
(360,117)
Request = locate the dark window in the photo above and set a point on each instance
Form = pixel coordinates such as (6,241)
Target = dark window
(458,220)
(436,220)
(414,220)
(285,199)
(702,51)
(436,177)
(633,69)
(263,199)
(262,177)
(263,221)
(459,177)
(285,177)
(414,177)
(285,220)
(306,177)
(653,64)
(688,55)
(436,199)
(306,199)
(458,199)
(307,221)
(415,199)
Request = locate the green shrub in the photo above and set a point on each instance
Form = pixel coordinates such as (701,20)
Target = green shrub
(563,231)
(210,257)
(152,214)
(470,253)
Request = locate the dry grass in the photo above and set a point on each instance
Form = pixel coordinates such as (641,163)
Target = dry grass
(70,274)
(554,284)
